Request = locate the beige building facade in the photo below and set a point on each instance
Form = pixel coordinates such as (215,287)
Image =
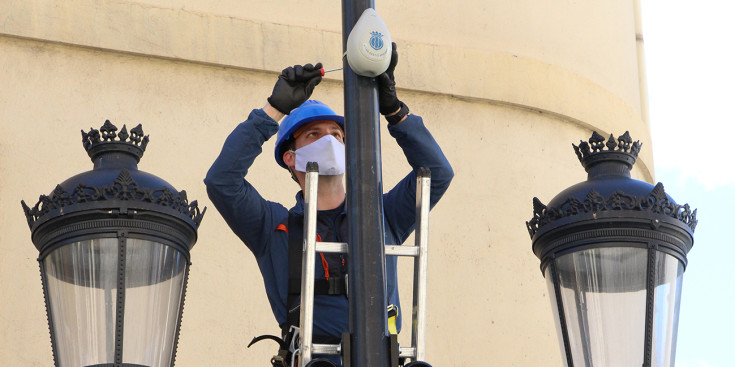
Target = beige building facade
(504,86)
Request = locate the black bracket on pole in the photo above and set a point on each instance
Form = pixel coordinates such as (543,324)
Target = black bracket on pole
(346,350)
(395,351)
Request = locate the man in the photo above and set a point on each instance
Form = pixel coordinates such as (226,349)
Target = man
(313,132)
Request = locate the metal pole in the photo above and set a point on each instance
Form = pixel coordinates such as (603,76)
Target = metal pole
(367,293)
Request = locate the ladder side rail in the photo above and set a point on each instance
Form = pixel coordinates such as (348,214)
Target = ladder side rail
(421,263)
(307,263)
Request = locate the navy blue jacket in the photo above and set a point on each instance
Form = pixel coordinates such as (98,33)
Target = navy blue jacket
(254,219)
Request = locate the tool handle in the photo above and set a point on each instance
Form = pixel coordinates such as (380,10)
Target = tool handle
(322,71)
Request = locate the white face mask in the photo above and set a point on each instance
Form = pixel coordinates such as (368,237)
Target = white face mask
(328,152)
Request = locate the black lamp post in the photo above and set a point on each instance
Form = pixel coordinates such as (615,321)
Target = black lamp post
(613,251)
(113,248)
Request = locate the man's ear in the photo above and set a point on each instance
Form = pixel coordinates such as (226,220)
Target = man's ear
(289,157)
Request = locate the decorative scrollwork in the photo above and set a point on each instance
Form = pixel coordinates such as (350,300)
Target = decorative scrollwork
(656,202)
(123,188)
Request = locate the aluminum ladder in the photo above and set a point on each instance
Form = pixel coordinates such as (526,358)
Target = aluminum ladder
(419,251)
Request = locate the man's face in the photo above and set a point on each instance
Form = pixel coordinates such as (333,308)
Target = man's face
(314,131)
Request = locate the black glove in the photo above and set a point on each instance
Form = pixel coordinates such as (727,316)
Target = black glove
(294,86)
(387,100)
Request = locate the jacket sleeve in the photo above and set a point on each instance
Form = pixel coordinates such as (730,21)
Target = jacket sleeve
(421,150)
(252,218)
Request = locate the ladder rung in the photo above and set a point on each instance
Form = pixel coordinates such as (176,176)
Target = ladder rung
(391,250)
(406,352)
(336,349)
(332,247)
(407,250)
(328,349)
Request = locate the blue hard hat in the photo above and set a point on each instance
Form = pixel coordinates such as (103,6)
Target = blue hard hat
(309,111)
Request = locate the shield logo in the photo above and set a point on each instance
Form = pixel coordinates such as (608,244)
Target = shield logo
(376,40)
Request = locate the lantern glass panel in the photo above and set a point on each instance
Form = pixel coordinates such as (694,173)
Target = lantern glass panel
(555,312)
(604,295)
(154,283)
(82,292)
(667,295)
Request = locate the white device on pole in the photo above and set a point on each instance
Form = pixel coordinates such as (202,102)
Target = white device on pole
(369,45)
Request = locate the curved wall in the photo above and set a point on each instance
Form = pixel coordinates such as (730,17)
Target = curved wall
(505,87)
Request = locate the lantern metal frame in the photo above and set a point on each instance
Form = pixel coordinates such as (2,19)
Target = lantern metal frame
(610,210)
(114,200)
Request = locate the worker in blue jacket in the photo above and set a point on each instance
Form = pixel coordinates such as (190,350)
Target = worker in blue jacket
(312,132)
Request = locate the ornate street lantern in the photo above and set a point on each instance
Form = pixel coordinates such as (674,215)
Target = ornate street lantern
(613,251)
(114,248)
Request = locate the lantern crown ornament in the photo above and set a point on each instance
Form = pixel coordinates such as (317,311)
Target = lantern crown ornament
(593,151)
(114,252)
(608,164)
(107,138)
(115,177)
(613,251)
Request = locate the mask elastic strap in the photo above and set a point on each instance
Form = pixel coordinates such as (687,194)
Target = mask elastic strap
(293,175)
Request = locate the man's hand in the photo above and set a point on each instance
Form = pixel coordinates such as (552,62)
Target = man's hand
(387,99)
(294,86)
